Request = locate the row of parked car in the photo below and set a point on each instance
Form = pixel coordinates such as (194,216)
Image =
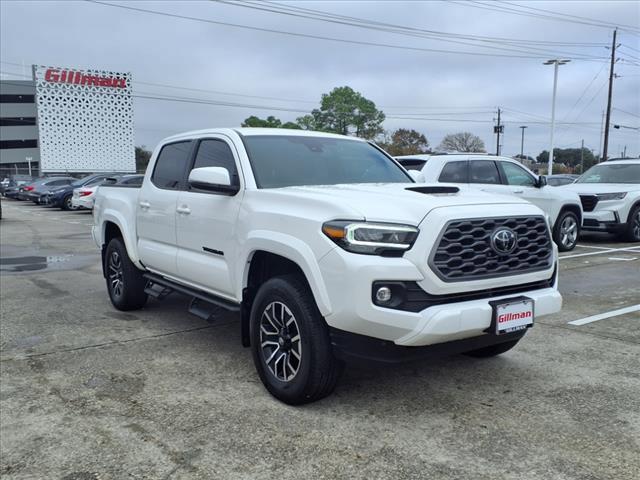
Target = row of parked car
(65,192)
(606,198)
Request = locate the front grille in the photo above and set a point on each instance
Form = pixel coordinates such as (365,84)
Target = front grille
(465,253)
(589,202)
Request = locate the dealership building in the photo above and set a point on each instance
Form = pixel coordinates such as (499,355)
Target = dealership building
(66,120)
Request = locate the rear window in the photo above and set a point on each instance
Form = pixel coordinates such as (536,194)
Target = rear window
(412,163)
(483,171)
(455,172)
(171,165)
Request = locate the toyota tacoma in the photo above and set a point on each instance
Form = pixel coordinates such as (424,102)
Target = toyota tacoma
(328,250)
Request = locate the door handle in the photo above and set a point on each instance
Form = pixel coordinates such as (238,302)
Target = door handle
(184,210)
(518,191)
(144,205)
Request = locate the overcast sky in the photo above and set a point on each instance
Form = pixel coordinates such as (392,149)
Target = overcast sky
(433,92)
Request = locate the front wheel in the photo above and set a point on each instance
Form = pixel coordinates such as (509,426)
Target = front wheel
(633,225)
(290,342)
(125,282)
(566,230)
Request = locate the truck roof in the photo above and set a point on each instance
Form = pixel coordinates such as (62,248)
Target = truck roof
(254,131)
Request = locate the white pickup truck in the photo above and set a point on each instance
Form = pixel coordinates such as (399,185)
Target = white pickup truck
(328,250)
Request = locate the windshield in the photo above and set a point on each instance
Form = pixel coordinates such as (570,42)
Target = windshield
(612,173)
(285,161)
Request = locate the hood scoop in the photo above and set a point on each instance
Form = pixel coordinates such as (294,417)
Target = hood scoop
(434,190)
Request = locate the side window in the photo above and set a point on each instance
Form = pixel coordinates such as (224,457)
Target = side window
(517,175)
(171,165)
(483,171)
(412,164)
(216,153)
(454,172)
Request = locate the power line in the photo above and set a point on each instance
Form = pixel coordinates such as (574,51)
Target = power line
(322,16)
(315,37)
(596,21)
(513,11)
(624,111)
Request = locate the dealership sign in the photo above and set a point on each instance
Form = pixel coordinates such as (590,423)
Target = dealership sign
(85,120)
(57,75)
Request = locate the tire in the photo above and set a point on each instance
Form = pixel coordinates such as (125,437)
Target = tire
(493,350)
(66,203)
(293,378)
(566,231)
(125,282)
(632,233)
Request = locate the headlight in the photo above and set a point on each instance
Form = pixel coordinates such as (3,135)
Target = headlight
(371,238)
(611,196)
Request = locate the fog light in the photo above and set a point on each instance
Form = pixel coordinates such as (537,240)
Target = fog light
(383,294)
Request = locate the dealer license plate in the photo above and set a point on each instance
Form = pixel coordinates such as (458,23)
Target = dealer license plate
(512,315)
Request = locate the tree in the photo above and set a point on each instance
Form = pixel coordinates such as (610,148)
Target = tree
(462,142)
(405,142)
(568,156)
(269,122)
(345,111)
(142,158)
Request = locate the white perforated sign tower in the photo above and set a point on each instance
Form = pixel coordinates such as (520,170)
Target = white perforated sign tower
(85,120)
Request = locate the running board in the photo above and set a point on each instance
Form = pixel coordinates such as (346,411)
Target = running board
(203,304)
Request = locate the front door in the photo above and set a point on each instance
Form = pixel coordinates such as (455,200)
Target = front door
(156,209)
(206,224)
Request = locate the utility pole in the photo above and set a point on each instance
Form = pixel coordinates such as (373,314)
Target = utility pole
(624,153)
(605,148)
(582,157)
(601,136)
(556,63)
(522,144)
(498,130)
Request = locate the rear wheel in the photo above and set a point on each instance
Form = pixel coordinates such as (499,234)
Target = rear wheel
(633,225)
(290,342)
(493,350)
(66,203)
(566,230)
(125,282)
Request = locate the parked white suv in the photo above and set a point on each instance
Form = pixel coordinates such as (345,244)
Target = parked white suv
(505,176)
(610,194)
(328,250)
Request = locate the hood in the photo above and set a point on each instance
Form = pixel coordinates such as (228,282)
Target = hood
(389,202)
(595,188)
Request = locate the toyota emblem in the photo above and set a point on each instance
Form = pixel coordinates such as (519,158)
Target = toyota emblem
(503,241)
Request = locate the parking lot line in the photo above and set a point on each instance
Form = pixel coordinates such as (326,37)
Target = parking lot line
(602,316)
(593,246)
(610,250)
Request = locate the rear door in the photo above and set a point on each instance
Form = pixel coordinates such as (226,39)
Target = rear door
(206,222)
(485,175)
(156,217)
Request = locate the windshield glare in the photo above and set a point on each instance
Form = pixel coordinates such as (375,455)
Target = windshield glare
(285,161)
(613,173)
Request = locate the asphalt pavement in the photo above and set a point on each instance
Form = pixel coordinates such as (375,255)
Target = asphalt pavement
(88,392)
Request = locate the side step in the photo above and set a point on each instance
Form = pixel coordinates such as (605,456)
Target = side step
(203,304)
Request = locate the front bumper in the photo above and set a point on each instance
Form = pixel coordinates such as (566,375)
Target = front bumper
(603,221)
(352,308)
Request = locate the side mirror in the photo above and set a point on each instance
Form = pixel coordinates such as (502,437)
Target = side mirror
(542,181)
(417,176)
(212,179)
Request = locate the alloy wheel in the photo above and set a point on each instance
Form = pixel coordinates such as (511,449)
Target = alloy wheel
(116,274)
(568,231)
(280,341)
(635,229)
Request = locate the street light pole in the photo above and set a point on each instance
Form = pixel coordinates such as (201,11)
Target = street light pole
(556,62)
(522,144)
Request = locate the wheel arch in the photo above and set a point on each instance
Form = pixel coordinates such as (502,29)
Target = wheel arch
(272,259)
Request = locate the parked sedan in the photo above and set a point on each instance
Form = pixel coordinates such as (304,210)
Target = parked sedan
(61,196)
(34,191)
